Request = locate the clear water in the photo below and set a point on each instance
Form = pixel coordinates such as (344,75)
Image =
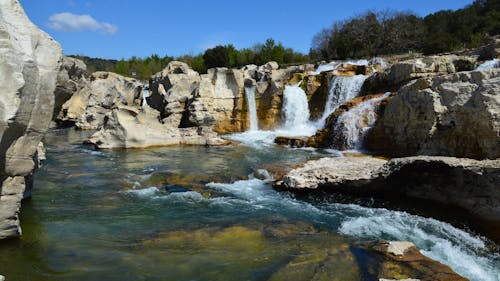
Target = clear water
(193,213)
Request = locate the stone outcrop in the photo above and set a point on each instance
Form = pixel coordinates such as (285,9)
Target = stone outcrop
(404,71)
(451,115)
(70,79)
(132,127)
(104,91)
(332,172)
(468,184)
(29,63)
(401,260)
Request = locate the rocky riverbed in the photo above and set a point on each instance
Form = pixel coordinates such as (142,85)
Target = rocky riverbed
(405,134)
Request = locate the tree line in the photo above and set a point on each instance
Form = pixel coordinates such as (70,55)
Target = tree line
(391,32)
(363,36)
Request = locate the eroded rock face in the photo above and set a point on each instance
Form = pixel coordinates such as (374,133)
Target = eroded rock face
(70,79)
(404,71)
(132,127)
(471,185)
(29,63)
(451,115)
(105,90)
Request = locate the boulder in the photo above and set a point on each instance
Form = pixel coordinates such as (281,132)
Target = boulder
(404,71)
(70,79)
(171,91)
(29,63)
(402,260)
(451,115)
(220,102)
(331,172)
(132,127)
(105,91)
(466,184)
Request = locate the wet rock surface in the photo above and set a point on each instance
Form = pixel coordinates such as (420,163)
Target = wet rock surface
(468,184)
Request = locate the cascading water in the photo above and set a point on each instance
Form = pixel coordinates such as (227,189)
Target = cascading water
(352,125)
(145,95)
(494,63)
(341,90)
(296,111)
(252,108)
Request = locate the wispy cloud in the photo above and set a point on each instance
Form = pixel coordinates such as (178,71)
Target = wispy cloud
(73,23)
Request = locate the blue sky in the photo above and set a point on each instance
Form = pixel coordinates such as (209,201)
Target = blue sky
(123,28)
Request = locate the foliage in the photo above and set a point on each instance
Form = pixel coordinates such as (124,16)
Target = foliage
(390,32)
(229,56)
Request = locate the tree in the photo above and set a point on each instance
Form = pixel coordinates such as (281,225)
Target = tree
(217,57)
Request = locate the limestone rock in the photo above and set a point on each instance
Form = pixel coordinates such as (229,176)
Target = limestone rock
(171,91)
(404,71)
(421,67)
(70,79)
(29,62)
(105,91)
(132,127)
(331,172)
(471,185)
(402,260)
(451,115)
(219,101)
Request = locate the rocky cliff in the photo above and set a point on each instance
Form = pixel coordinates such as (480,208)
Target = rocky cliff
(95,97)
(29,62)
(452,115)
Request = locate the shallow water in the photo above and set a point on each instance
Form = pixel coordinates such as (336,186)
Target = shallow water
(193,213)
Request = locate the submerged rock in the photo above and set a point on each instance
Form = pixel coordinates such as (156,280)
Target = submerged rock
(29,63)
(468,184)
(105,91)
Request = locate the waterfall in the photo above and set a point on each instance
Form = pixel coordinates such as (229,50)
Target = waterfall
(352,125)
(494,63)
(252,108)
(341,90)
(296,111)
(145,94)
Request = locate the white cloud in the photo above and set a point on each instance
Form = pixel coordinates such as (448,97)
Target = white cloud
(72,23)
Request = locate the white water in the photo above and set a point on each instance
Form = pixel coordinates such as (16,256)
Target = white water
(145,94)
(252,108)
(296,111)
(494,63)
(353,124)
(341,90)
(438,240)
(462,251)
